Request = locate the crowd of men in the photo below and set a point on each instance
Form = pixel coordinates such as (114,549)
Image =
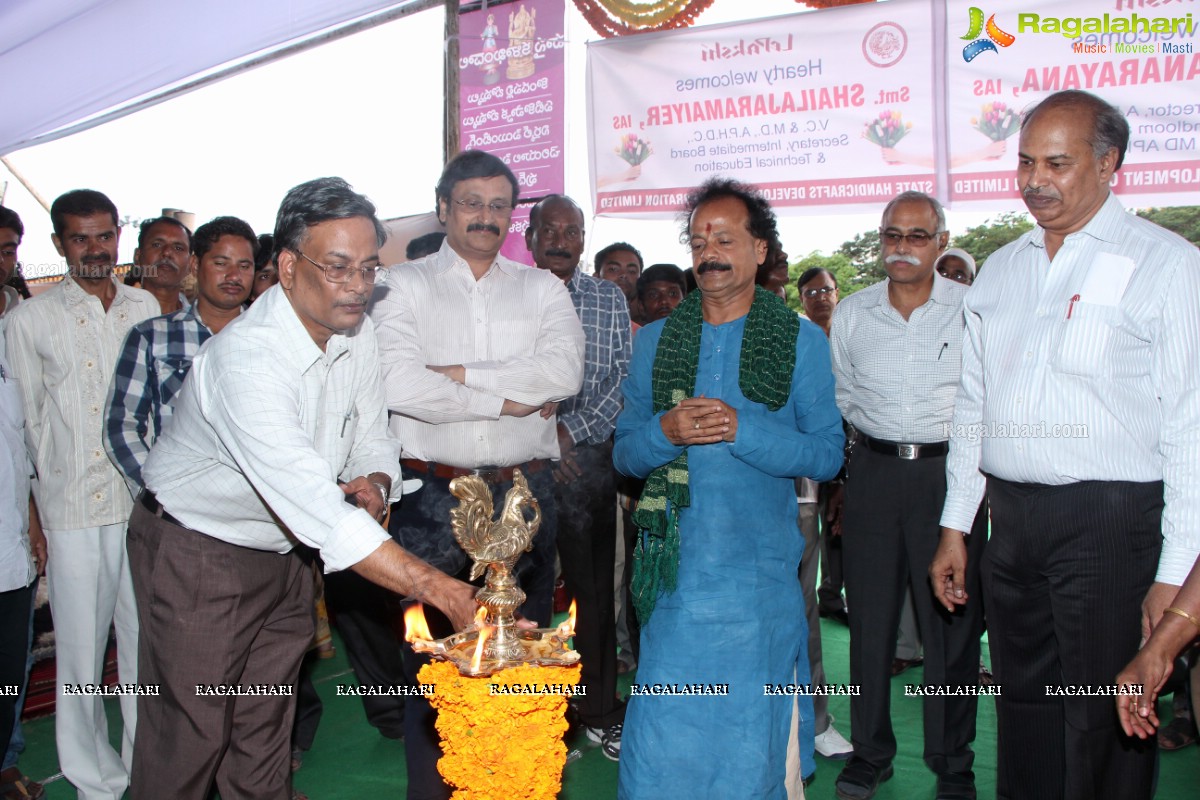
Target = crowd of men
(175,463)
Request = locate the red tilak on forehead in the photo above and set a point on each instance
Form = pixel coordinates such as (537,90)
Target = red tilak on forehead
(708,227)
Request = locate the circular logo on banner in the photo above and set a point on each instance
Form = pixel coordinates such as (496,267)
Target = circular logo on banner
(885,44)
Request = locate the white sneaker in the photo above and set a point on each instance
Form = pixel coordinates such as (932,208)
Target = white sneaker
(608,738)
(832,744)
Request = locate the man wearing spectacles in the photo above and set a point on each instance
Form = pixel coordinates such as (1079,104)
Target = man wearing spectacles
(472,347)
(280,422)
(896,359)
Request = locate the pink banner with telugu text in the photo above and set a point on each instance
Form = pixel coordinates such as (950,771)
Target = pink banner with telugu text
(511,97)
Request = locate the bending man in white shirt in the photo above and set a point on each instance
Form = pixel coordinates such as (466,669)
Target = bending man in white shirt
(275,414)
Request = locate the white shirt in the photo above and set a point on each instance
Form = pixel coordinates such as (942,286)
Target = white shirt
(515,331)
(264,427)
(896,378)
(17,569)
(63,348)
(11,298)
(1085,368)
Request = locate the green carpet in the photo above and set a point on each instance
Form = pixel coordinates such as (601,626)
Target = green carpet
(350,760)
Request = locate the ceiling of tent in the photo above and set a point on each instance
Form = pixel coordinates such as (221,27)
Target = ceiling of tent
(71,64)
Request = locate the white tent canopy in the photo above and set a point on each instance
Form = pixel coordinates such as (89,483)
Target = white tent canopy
(73,64)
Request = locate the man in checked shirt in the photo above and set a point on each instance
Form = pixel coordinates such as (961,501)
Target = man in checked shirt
(585,488)
(158,352)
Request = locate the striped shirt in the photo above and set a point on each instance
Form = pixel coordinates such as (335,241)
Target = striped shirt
(896,378)
(150,370)
(263,429)
(591,415)
(1084,368)
(63,347)
(515,331)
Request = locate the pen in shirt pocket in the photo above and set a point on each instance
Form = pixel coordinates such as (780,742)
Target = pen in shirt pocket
(1071,305)
(345,421)
(942,350)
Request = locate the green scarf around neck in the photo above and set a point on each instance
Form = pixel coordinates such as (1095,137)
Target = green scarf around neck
(767,361)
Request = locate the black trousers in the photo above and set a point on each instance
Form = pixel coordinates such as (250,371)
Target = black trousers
(364,613)
(587,551)
(14,649)
(829,593)
(890,531)
(424,519)
(1064,577)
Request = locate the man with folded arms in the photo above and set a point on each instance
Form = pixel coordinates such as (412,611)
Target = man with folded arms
(472,347)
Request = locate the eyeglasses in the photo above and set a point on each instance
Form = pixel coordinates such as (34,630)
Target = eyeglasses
(824,290)
(475,206)
(915,239)
(344,273)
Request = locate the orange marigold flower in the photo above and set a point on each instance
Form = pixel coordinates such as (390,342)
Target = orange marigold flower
(500,746)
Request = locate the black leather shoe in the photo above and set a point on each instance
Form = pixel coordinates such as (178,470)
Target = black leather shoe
(956,786)
(860,780)
(838,615)
(900,665)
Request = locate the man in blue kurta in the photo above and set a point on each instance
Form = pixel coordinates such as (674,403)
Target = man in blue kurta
(719,430)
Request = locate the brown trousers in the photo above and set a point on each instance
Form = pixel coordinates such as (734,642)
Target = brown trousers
(215,614)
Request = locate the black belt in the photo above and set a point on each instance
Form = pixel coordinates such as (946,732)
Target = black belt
(151,504)
(909,452)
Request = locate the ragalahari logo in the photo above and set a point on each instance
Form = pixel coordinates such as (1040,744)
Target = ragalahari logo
(995,36)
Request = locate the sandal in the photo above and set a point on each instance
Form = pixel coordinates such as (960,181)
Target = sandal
(15,786)
(1176,734)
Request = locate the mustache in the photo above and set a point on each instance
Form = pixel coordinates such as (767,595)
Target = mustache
(233,285)
(483,226)
(907,258)
(104,258)
(1040,193)
(558,253)
(354,300)
(709,266)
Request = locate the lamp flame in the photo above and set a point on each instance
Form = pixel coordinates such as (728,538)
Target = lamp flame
(566,629)
(415,626)
(480,617)
(485,633)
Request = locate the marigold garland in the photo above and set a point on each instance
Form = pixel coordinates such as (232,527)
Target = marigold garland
(611,18)
(500,746)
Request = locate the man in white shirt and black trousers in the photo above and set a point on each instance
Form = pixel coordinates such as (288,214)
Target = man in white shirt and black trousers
(896,358)
(1079,411)
(473,347)
(276,412)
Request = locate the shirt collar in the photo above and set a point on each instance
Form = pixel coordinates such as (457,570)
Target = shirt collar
(576,282)
(1105,225)
(446,259)
(296,344)
(943,292)
(73,293)
(191,312)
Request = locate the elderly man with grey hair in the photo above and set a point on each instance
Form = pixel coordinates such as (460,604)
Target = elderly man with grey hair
(896,358)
